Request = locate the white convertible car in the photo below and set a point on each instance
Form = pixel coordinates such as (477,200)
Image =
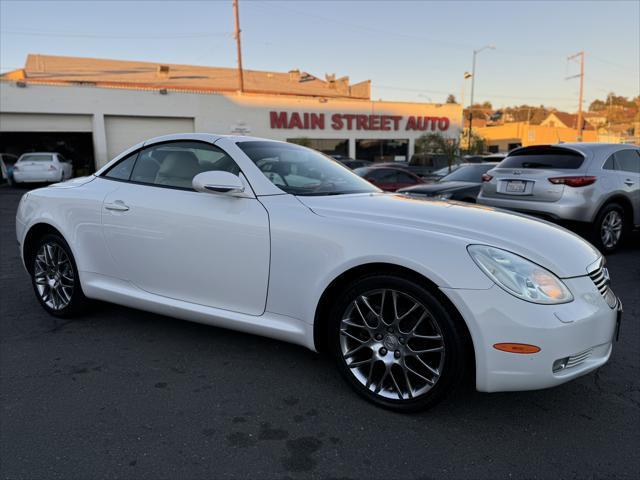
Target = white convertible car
(278,240)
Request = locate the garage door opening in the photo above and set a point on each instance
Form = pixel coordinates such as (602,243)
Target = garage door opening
(74,146)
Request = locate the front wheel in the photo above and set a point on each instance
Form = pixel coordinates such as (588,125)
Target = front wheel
(609,228)
(55,277)
(395,343)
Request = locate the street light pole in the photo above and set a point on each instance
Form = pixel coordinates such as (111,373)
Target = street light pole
(473,81)
(465,77)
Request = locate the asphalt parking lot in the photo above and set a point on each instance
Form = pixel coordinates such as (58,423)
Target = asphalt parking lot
(127,394)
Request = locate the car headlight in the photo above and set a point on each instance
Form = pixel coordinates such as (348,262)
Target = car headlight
(520,277)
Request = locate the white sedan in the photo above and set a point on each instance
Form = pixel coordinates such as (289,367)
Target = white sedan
(278,240)
(41,167)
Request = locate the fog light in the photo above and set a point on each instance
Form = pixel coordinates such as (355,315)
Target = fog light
(610,298)
(560,364)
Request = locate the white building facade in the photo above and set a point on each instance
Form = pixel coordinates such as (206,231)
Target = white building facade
(97,123)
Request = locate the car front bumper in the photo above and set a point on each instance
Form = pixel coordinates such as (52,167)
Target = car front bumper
(581,332)
(36,177)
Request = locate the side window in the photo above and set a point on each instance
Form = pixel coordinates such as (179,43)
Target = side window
(376,174)
(628,160)
(405,178)
(175,164)
(610,164)
(122,170)
(389,176)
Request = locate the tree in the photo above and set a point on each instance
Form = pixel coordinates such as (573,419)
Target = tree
(451,98)
(478,145)
(436,143)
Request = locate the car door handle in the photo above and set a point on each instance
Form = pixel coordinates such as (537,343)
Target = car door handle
(118,206)
(629,182)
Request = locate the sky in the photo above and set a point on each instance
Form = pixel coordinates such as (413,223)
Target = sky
(410,50)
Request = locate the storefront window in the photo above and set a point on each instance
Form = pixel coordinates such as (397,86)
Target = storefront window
(328,146)
(382,150)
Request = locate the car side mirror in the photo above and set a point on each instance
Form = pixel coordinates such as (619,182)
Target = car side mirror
(217,181)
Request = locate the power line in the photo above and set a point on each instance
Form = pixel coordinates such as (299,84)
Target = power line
(422,90)
(613,64)
(115,37)
(366,28)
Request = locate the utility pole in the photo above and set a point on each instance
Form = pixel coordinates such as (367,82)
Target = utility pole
(473,81)
(465,77)
(581,75)
(237,37)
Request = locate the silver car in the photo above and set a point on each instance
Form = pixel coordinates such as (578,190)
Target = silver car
(594,183)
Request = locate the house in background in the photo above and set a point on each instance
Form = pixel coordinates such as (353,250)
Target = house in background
(566,120)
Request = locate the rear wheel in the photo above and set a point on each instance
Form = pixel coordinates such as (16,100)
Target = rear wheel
(55,277)
(609,227)
(395,343)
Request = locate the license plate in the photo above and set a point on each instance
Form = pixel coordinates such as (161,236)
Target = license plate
(516,186)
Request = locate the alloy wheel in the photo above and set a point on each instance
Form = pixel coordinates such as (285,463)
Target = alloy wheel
(611,229)
(392,344)
(54,276)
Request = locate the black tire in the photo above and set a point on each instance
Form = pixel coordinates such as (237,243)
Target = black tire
(451,366)
(77,302)
(599,225)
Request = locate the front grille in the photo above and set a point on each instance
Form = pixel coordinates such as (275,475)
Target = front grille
(600,277)
(578,358)
(570,362)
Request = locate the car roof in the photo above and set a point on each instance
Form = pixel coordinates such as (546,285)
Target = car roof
(206,137)
(585,148)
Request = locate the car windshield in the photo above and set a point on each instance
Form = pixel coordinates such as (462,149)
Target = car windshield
(445,170)
(38,157)
(468,173)
(302,171)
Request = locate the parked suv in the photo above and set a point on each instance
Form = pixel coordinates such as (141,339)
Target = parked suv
(595,183)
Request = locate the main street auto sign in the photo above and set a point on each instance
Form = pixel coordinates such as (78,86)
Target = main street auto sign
(353,121)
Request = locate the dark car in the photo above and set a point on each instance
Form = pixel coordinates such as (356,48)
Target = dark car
(423,164)
(462,184)
(349,162)
(387,178)
(353,164)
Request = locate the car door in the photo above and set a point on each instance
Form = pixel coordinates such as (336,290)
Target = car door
(627,163)
(167,239)
(384,178)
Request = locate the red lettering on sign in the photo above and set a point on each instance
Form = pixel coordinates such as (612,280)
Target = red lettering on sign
(336,121)
(278,120)
(295,121)
(351,121)
(317,121)
(349,117)
(443,123)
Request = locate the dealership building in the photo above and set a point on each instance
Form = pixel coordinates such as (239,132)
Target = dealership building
(91,109)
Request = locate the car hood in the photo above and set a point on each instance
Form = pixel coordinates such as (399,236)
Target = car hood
(439,187)
(544,243)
